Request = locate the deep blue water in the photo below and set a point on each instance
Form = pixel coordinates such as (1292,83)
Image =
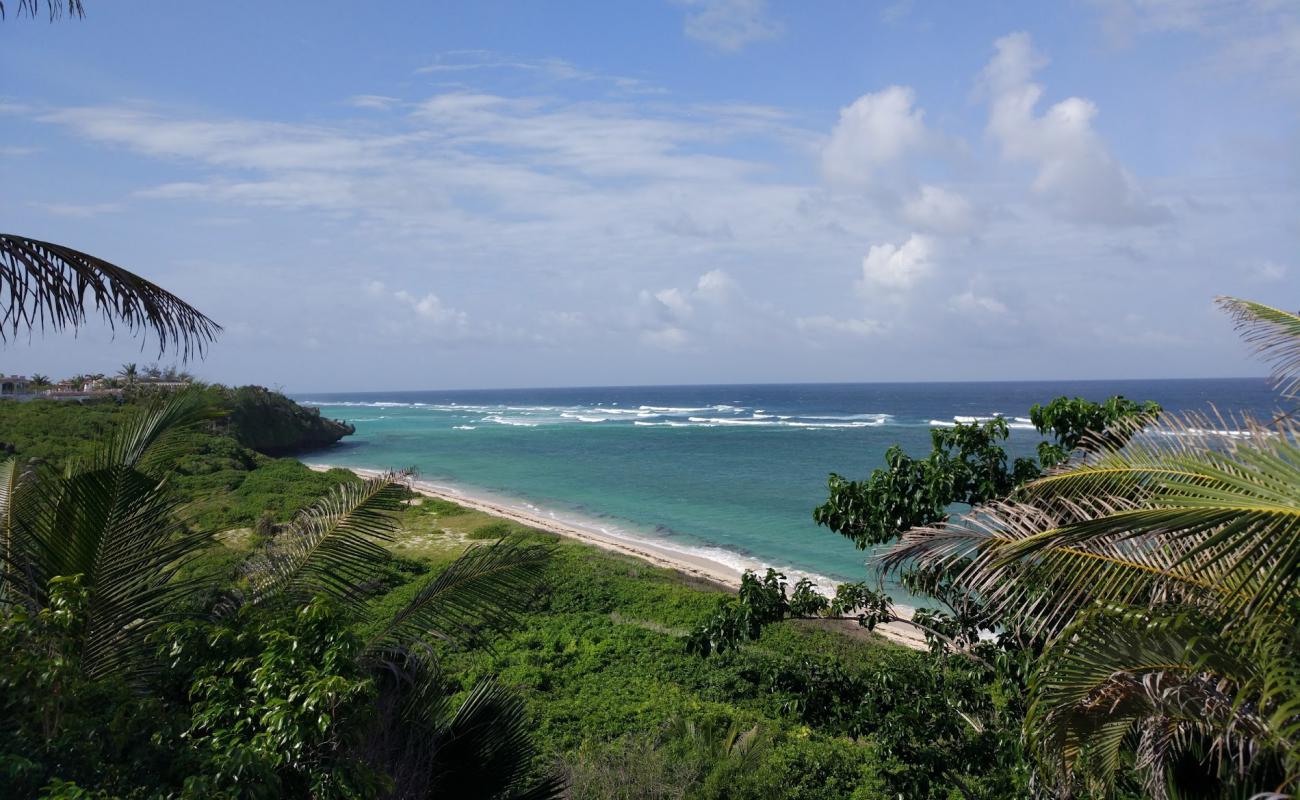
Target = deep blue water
(735,470)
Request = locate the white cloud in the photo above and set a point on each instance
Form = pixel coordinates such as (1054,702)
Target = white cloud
(1255,38)
(667,338)
(675,301)
(826,325)
(374,102)
(978,305)
(547,69)
(670,317)
(1076,173)
(715,285)
(875,130)
(238,143)
(940,210)
(897,268)
(432,309)
(730,25)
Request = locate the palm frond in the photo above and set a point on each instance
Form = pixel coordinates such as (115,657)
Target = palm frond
(1003,555)
(1180,514)
(150,439)
(481,590)
(118,529)
(14,507)
(46,285)
(1275,335)
(334,547)
(430,746)
(486,750)
(1170,679)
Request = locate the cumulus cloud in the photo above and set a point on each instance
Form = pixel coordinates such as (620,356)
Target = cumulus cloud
(730,25)
(1075,172)
(670,316)
(875,130)
(940,210)
(897,268)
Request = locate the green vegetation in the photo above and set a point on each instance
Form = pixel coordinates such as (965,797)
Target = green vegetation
(255,418)
(287,681)
(271,423)
(1133,599)
(595,656)
(1116,618)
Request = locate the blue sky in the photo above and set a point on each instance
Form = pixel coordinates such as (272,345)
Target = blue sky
(485,194)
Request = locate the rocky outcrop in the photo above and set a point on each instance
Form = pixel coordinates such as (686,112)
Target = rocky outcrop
(271,423)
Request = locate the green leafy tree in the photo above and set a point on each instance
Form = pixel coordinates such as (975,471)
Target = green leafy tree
(968,465)
(966,708)
(1162,573)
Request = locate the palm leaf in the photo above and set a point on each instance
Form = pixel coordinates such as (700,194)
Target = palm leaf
(46,286)
(334,547)
(482,589)
(486,750)
(15,506)
(118,529)
(55,8)
(1179,514)
(1275,335)
(1171,679)
(114,522)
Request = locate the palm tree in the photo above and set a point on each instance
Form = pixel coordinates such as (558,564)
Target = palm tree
(45,285)
(114,523)
(39,381)
(129,372)
(1164,578)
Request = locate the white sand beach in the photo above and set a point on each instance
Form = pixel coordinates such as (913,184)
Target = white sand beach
(695,565)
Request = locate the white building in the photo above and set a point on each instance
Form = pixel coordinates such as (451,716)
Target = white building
(13,385)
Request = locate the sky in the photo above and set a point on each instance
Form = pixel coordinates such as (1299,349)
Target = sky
(492,194)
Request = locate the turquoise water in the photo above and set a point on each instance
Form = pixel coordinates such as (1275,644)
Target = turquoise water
(730,471)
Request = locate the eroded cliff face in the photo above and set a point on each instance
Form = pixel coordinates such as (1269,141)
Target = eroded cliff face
(271,423)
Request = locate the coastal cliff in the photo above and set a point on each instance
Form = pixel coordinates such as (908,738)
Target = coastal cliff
(271,423)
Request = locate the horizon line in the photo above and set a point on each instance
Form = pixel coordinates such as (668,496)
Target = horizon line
(771,383)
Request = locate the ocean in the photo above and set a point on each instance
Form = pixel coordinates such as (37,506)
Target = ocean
(731,473)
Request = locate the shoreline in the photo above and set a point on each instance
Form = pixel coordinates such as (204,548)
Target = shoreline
(695,566)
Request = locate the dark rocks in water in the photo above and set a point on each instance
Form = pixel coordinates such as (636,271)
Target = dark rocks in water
(271,423)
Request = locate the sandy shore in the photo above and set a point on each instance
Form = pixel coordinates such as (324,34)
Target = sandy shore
(696,566)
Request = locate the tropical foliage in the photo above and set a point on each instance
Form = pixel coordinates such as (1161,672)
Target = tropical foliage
(1161,571)
(283,678)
